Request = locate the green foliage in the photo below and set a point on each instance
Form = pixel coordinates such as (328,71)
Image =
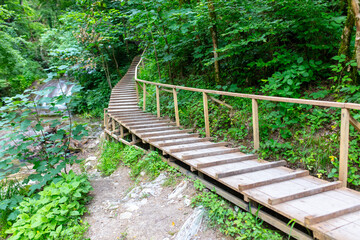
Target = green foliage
(30,138)
(111,156)
(113,153)
(234,223)
(151,163)
(56,214)
(11,194)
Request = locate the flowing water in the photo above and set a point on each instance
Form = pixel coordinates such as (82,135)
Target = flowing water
(61,87)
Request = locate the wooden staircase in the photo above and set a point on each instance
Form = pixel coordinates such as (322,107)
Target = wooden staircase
(328,209)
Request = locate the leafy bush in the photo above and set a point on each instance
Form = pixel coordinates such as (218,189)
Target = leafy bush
(56,214)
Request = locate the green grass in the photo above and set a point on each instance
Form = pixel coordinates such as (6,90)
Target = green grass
(111,156)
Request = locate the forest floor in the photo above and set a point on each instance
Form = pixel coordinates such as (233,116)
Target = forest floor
(125,209)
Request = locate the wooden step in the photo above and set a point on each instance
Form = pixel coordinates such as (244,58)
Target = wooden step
(263,166)
(163,133)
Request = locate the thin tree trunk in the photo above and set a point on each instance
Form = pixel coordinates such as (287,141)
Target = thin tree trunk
(106,69)
(346,35)
(214,36)
(356,10)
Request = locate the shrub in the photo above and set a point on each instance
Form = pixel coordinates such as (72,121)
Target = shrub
(56,214)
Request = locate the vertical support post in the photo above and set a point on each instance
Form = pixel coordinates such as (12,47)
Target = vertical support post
(104,117)
(344,146)
(133,137)
(137,91)
(121,131)
(113,124)
(158,101)
(176,108)
(255,117)
(144,96)
(206,114)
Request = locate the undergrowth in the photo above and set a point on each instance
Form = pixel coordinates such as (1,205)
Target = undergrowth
(114,153)
(55,212)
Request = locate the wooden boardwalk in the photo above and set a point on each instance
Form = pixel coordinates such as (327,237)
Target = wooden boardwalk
(329,210)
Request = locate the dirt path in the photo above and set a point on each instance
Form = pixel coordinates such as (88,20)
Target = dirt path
(121,210)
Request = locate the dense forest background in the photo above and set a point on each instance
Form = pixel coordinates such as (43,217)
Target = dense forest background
(303,49)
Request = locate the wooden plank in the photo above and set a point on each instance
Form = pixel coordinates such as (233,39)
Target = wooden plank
(306,193)
(344,146)
(144,97)
(154,129)
(178,136)
(206,115)
(151,125)
(158,101)
(290,176)
(143,121)
(185,141)
(212,153)
(220,102)
(255,117)
(163,133)
(250,169)
(169,91)
(226,161)
(355,123)
(122,140)
(176,107)
(205,146)
(310,220)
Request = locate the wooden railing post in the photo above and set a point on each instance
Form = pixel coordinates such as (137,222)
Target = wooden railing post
(137,91)
(344,146)
(144,96)
(206,114)
(106,121)
(255,116)
(158,101)
(176,108)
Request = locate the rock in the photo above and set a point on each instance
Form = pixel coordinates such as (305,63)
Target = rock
(179,189)
(93,144)
(126,215)
(132,207)
(90,159)
(187,202)
(192,225)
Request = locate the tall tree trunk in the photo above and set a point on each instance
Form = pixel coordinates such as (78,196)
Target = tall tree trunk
(214,36)
(356,10)
(153,40)
(346,35)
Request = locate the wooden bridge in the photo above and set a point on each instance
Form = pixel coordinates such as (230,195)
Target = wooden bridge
(321,209)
